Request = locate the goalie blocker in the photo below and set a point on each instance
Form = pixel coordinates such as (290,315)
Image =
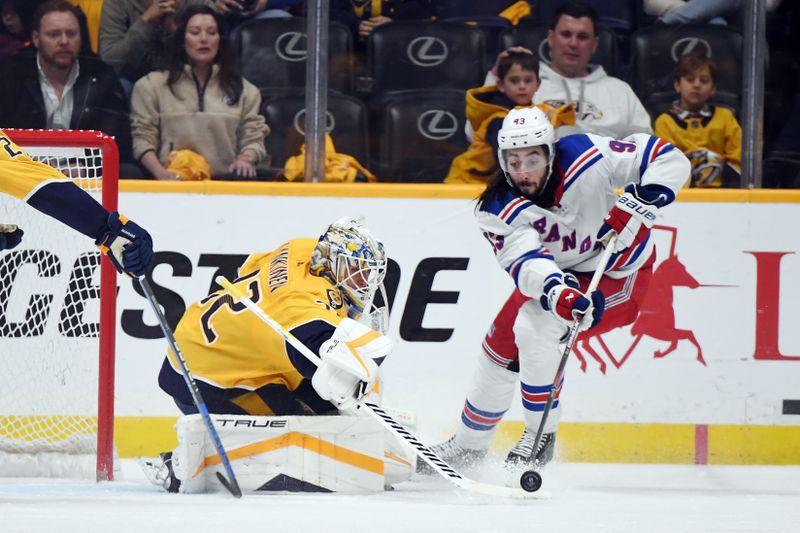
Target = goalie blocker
(351,454)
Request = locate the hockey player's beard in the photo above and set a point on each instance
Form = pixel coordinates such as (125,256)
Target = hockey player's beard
(545,193)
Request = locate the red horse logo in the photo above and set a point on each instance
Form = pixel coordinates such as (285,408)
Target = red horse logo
(656,318)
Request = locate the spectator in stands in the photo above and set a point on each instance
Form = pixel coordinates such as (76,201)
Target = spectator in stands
(603,104)
(52,86)
(200,104)
(135,33)
(700,11)
(240,10)
(363,16)
(709,135)
(518,80)
(15,31)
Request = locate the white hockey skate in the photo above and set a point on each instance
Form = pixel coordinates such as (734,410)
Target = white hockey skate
(524,457)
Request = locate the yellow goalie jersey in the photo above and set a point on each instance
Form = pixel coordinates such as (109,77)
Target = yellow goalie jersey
(227,347)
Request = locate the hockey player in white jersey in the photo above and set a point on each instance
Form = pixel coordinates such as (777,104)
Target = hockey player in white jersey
(546,217)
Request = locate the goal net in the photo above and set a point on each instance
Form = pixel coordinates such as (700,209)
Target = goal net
(57,320)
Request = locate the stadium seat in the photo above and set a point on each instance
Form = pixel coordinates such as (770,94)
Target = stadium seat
(620,15)
(421,132)
(422,55)
(346,122)
(491,27)
(534,37)
(657,49)
(272,54)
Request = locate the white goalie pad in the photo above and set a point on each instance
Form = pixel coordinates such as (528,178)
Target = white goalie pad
(287,454)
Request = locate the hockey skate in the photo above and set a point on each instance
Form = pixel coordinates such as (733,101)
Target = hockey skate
(524,457)
(453,454)
(159,471)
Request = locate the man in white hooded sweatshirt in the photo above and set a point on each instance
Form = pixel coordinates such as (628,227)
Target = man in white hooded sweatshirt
(603,104)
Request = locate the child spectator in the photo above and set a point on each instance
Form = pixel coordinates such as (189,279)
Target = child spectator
(518,80)
(709,135)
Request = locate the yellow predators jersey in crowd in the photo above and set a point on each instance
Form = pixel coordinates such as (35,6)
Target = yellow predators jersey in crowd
(228,347)
(711,139)
(20,176)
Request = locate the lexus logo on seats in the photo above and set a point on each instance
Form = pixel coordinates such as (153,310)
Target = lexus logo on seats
(291,46)
(300,121)
(437,124)
(427,51)
(690,45)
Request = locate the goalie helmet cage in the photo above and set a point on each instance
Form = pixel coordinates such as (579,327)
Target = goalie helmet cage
(56,329)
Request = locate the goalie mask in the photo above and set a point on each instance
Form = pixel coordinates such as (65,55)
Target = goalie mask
(353,260)
(526,169)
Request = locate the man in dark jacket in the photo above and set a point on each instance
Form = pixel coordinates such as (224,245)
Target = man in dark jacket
(53,86)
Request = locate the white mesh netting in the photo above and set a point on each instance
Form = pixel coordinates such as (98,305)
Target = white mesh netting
(49,323)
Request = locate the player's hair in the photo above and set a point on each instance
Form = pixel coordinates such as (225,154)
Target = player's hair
(52,6)
(691,63)
(526,61)
(575,10)
(230,80)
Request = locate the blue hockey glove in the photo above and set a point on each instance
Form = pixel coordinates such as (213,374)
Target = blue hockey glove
(127,245)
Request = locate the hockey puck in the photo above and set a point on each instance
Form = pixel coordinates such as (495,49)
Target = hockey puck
(530,481)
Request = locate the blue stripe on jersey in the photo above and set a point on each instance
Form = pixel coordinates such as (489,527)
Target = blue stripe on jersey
(646,157)
(522,207)
(586,165)
(498,204)
(570,148)
(514,268)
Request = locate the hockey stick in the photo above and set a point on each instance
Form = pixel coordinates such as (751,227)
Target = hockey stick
(385,419)
(571,337)
(231,484)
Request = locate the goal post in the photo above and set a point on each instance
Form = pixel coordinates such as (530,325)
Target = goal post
(58,323)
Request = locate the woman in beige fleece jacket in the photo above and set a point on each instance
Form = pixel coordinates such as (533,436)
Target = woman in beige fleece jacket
(200,103)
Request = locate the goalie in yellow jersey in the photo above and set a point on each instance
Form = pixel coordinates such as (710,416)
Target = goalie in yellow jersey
(314,288)
(322,291)
(127,245)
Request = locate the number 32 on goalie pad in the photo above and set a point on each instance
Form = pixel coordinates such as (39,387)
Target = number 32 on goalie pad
(295,454)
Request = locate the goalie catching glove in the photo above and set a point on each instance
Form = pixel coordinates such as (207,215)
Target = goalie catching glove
(127,245)
(349,366)
(563,298)
(634,214)
(10,236)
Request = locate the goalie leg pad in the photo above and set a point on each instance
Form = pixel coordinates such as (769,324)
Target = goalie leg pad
(285,454)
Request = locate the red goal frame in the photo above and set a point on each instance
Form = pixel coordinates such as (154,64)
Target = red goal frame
(108,277)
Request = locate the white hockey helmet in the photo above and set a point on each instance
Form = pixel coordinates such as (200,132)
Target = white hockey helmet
(353,260)
(522,128)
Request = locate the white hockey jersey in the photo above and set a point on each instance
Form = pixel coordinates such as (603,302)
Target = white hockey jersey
(532,242)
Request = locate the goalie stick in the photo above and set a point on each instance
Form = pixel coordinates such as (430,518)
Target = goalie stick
(385,419)
(230,483)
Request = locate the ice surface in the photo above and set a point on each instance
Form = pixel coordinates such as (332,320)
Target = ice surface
(583,498)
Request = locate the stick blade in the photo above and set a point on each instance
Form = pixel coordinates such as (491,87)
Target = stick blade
(233,487)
